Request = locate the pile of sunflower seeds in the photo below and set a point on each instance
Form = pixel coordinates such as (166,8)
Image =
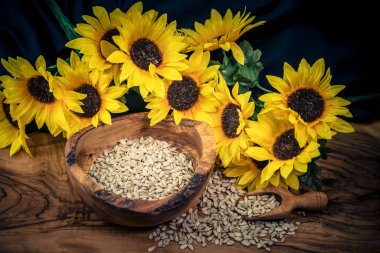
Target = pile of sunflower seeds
(142,169)
(251,206)
(218,221)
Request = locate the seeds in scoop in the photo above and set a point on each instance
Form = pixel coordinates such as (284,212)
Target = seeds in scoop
(252,206)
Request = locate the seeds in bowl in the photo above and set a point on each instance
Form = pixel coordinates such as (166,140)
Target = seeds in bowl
(144,169)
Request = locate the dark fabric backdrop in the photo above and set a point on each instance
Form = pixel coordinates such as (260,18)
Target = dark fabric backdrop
(335,30)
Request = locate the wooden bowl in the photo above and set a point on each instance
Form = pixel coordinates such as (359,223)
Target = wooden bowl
(192,137)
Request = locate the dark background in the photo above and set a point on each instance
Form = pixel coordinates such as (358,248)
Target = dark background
(342,32)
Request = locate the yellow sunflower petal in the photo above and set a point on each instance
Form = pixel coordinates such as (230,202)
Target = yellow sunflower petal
(293,181)
(225,46)
(15,147)
(248,177)
(342,126)
(301,135)
(116,91)
(285,170)
(40,63)
(177,117)
(312,146)
(107,48)
(95,120)
(270,169)
(117,57)
(301,167)
(152,69)
(158,115)
(334,90)
(105,117)
(323,131)
(169,73)
(275,180)
(278,83)
(258,153)
(303,73)
(237,53)
(235,171)
(304,157)
(197,56)
(271,97)
(102,15)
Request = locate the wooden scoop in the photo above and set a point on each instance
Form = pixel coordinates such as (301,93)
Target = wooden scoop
(312,201)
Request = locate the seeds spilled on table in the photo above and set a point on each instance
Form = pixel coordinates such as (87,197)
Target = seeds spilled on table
(219,221)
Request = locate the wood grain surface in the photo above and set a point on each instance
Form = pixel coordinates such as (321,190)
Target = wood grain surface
(39,212)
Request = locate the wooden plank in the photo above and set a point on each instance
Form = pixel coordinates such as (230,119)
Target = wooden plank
(39,212)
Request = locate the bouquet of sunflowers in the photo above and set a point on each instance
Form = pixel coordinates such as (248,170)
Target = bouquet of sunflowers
(264,137)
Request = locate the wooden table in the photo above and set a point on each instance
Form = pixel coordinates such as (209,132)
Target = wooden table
(39,212)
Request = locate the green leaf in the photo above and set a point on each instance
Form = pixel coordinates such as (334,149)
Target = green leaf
(248,74)
(312,179)
(243,89)
(361,98)
(248,51)
(258,107)
(63,21)
(323,149)
(251,57)
(134,101)
(213,62)
(228,71)
(256,56)
(226,61)
(122,99)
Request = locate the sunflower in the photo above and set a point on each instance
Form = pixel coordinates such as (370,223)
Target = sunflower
(310,101)
(277,144)
(218,32)
(149,49)
(230,121)
(96,43)
(37,95)
(192,97)
(100,99)
(248,172)
(12,132)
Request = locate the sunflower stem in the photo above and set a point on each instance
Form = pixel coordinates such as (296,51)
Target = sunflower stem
(263,89)
(361,98)
(63,21)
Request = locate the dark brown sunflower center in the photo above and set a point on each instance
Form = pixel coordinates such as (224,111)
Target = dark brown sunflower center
(108,36)
(144,52)
(182,95)
(286,146)
(307,103)
(6,109)
(92,103)
(230,120)
(38,87)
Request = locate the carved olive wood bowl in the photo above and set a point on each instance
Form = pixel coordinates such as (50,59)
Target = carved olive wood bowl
(193,138)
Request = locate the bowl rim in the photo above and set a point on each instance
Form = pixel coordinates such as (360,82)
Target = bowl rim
(199,180)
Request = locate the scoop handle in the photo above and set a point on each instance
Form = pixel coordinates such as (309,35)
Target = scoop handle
(312,201)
